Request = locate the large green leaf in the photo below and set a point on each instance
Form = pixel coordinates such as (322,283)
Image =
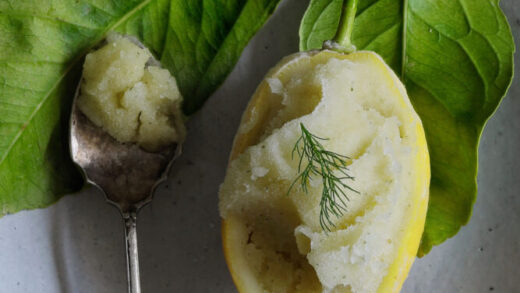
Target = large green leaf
(456,60)
(42,44)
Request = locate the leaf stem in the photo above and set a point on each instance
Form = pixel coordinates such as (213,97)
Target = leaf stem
(346,25)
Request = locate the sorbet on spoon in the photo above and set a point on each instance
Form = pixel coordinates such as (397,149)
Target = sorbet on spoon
(126,129)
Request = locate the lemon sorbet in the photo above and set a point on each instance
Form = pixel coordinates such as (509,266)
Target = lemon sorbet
(131,100)
(273,240)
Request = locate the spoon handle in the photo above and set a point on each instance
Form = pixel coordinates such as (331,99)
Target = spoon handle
(132,257)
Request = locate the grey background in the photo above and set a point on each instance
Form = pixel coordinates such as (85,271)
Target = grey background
(77,244)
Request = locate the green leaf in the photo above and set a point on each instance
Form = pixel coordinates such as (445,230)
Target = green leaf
(320,23)
(42,45)
(456,60)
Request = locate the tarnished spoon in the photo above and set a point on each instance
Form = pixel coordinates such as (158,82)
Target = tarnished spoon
(125,173)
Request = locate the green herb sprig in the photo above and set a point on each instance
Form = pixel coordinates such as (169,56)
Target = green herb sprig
(325,164)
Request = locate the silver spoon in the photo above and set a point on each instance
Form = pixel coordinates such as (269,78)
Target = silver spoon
(125,173)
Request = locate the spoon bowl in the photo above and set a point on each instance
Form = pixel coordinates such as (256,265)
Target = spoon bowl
(126,173)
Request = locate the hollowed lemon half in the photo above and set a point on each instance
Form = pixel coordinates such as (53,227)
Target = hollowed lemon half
(272,240)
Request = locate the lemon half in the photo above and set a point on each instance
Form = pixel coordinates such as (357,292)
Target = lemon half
(272,240)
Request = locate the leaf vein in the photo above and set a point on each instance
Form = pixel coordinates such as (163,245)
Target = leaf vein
(376,37)
(46,17)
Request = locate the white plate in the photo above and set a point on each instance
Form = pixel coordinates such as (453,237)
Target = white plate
(77,245)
